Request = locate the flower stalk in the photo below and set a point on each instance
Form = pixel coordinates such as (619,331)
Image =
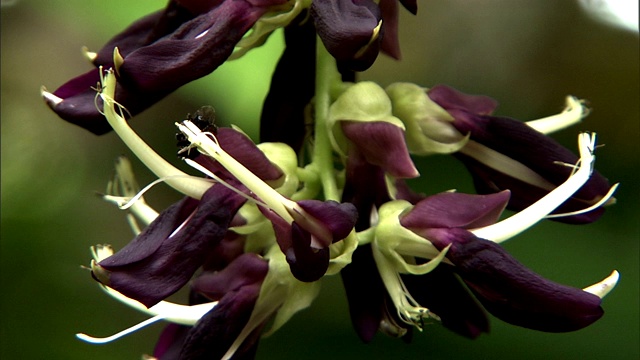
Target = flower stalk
(322,157)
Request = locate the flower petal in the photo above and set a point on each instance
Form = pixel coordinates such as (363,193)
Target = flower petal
(501,147)
(192,51)
(510,291)
(244,151)
(338,218)
(390,44)
(76,102)
(165,255)
(214,334)
(292,87)
(411,5)
(349,30)
(245,270)
(516,140)
(365,187)
(170,342)
(307,263)
(450,209)
(144,32)
(452,99)
(365,293)
(382,144)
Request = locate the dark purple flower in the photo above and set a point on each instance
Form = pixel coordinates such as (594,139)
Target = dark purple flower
(536,160)
(157,55)
(76,102)
(440,290)
(354,31)
(506,288)
(337,219)
(305,242)
(212,336)
(237,288)
(227,250)
(166,254)
(509,290)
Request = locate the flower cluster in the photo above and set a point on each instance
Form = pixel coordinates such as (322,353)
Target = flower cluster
(264,223)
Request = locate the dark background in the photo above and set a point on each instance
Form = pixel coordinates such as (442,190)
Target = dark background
(527,54)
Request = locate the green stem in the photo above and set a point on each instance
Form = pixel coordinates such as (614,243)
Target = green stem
(326,73)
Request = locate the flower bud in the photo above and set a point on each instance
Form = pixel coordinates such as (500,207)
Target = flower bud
(429,127)
(362,116)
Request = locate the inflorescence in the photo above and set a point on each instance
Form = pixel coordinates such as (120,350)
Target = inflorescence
(325,192)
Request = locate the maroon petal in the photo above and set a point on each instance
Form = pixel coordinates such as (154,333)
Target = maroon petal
(365,292)
(245,270)
(452,99)
(79,103)
(488,180)
(307,252)
(80,106)
(347,28)
(292,87)
(390,44)
(245,151)
(449,210)
(411,5)
(144,32)
(510,291)
(199,6)
(518,141)
(365,187)
(194,50)
(306,262)
(161,260)
(227,250)
(339,218)
(381,144)
(523,145)
(214,333)
(170,342)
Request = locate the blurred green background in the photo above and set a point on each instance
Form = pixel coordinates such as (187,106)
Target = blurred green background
(526,54)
